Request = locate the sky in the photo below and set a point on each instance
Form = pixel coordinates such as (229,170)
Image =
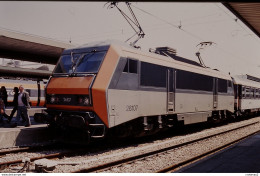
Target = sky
(181,26)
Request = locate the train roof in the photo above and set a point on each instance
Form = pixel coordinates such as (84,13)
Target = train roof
(126,50)
(178,63)
(246,80)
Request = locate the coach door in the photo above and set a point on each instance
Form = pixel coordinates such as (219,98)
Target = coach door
(215,93)
(239,96)
(170,90)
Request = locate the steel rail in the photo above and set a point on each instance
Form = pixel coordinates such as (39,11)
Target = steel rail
(47,156)
(17,150)
(26,149)
(130,159)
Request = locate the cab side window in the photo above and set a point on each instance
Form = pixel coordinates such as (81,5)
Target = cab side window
(131,66)
(243,92)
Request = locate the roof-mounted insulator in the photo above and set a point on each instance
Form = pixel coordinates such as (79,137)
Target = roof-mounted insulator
(166,51)
(252,78)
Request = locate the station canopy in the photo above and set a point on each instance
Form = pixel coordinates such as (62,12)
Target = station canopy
(19,46)
(248,13)
(14,45)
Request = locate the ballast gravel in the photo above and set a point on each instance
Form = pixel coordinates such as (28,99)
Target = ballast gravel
(153,163)
(161,161)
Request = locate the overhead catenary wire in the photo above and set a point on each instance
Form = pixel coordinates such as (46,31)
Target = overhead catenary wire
(183,21)
(236,21)
(187,32)
(173,25)
(158,26)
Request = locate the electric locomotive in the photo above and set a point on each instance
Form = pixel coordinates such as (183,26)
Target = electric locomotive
(112,88)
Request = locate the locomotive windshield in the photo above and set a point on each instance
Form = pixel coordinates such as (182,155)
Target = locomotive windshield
(79,63)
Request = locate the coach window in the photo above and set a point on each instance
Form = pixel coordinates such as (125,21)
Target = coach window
(193,81)
(256,93)
(222,85)
(230,87)
(33,93)
(253,91)
(243,92)
(131,66)
(247,92)
(153,75)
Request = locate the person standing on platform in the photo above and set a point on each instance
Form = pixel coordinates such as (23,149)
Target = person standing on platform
(2,109)
(15,105)
(23,106)
(3,94)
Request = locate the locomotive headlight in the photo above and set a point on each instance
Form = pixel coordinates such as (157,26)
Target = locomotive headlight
(86,101)
(52,99)
(83,101)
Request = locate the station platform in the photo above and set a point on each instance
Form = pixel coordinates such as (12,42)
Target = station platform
(31,111)
(243,157)
(21,135)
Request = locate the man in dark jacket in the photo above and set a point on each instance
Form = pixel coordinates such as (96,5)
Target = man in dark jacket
(23,106)
(2,109)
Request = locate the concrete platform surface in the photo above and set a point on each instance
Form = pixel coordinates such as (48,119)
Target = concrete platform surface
(244,157)
(21,135)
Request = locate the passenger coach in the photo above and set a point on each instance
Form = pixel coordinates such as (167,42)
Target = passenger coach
(247,94)
(36,89)
(112,87)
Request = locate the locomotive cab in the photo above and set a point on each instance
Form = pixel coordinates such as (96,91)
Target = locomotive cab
(69,100)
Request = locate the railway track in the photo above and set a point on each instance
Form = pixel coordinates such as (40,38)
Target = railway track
(72,151)
(15,150)
(106,167)
(203,155)
(43,146)
(47,151)
(18,162)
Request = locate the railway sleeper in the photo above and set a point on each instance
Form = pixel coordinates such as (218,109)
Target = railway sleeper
(45,165)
